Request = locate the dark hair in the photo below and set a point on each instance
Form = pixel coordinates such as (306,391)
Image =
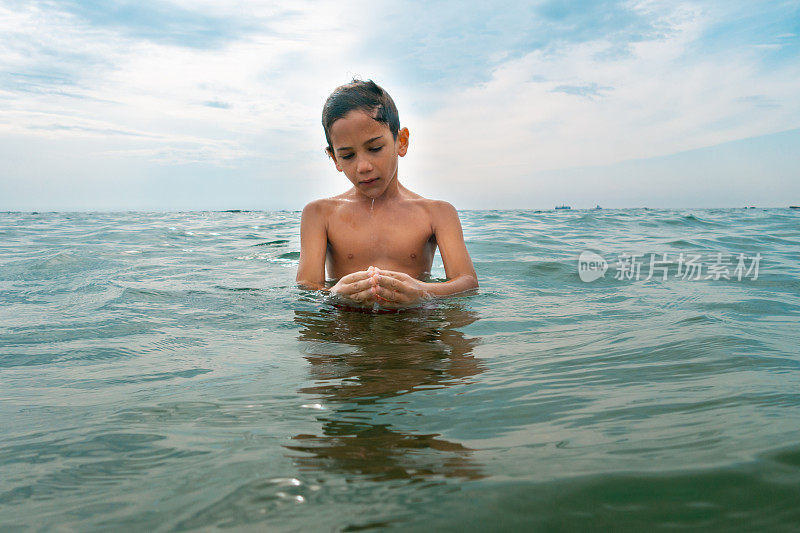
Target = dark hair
(366,96)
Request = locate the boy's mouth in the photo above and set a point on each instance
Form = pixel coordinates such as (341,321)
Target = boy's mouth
(367,182)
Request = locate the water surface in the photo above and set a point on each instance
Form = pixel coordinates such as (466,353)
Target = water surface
(162,371)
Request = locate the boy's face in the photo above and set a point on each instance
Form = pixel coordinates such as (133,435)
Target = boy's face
(366,151)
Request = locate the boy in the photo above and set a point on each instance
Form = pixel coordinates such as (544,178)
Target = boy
(378,238)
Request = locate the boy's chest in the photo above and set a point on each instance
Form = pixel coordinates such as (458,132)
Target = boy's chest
(386,239)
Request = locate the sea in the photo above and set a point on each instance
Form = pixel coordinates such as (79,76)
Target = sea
(627,370)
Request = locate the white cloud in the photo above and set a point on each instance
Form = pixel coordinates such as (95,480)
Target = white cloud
(250,104)
(659,98)
(268,81)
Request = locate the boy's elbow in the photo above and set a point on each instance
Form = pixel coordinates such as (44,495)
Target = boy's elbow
(470,281)
(310,285)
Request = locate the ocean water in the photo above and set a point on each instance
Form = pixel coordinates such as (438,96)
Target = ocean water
(161,371)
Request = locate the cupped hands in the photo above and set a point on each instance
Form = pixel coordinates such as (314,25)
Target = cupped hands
(387,288)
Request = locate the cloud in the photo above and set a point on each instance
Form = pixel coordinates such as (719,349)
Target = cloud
(83,63)
(217,104)
(588,90)
(576,105)
(532,87)
(163,22)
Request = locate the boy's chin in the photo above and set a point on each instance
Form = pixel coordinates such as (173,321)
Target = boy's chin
(371,190)
(371,193)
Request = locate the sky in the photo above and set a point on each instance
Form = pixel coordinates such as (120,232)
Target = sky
(110,105)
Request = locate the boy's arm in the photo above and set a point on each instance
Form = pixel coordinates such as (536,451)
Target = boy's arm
(313,246)
(457,264)
(313,252)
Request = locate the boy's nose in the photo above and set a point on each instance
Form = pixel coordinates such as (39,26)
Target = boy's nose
(364,166)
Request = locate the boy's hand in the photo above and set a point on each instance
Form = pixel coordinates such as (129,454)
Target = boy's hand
(398,288)
(358,286)
(387,287)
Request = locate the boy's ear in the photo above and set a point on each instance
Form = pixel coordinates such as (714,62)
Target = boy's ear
(402,138)
(333,158)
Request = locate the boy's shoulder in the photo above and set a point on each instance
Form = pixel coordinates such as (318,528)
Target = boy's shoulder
(439,213)
(324,206)
(435,207)
(438,205)
(428,204)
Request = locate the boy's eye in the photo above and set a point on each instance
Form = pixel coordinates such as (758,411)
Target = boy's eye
(347,156)
(375,149)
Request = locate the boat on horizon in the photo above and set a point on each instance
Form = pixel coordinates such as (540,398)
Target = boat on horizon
(560,207)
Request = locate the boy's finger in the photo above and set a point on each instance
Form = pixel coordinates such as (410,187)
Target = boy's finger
(385,281)
(391,282)
(362,296)
(391,273)
(398,286)
(355,276)
(400,276)
(342,289)
(358,286)
(385,295)
(362,285)
(393,295)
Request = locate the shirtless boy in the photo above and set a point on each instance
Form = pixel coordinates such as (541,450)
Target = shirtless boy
(378,238)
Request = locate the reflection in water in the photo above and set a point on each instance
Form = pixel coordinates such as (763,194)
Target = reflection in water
(360,361)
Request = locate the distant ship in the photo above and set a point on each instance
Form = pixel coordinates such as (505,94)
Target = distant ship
(563,207)
(598,206)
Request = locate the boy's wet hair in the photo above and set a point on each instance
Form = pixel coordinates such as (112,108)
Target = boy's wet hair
(366,96)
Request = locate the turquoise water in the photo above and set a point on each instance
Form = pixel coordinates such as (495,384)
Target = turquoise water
(161,371)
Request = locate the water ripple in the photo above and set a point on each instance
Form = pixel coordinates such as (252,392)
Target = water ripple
(162,371)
